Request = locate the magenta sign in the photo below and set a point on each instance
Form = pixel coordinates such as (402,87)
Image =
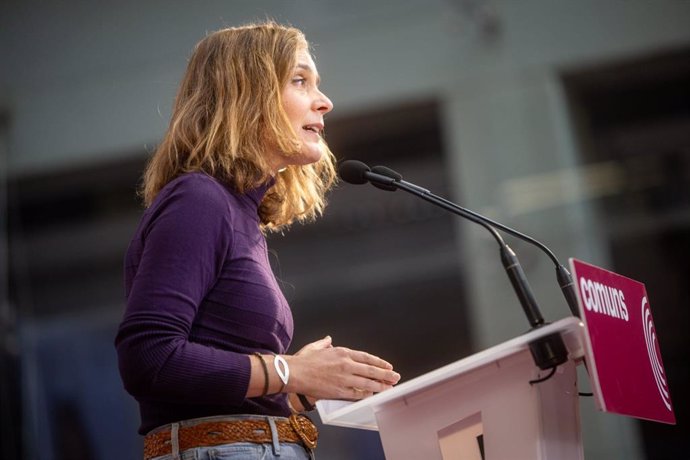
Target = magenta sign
(622,350)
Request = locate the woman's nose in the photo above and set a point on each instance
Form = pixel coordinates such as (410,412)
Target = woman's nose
(323,103)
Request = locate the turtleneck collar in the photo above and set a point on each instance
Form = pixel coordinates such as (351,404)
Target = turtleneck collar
(257,194)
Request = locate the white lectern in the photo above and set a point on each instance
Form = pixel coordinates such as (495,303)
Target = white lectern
(481,407)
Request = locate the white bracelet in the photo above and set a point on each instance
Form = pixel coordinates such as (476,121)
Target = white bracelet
(282,369)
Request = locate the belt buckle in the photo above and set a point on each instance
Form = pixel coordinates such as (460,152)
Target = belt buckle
(305,429)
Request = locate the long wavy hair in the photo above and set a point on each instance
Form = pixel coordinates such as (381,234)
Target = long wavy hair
(228,114)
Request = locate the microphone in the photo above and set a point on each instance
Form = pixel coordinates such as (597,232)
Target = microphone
(565,281)
(356,172)
(547,352)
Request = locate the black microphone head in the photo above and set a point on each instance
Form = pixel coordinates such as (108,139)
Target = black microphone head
(388,172)
(353,171)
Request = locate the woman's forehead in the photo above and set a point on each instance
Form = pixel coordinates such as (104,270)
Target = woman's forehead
(306,62)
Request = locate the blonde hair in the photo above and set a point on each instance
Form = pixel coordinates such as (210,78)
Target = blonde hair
(228,113)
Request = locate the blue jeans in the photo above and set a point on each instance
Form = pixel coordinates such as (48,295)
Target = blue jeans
(242,450)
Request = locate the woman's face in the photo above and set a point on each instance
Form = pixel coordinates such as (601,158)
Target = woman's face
(305,107)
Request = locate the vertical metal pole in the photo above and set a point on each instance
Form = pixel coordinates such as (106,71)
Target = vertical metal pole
(9,447)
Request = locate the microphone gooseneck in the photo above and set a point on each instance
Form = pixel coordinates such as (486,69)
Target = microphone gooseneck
(547,352)
(356,172)
(563,277)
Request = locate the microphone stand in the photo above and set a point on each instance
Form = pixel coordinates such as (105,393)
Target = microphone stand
(565,281)
(547,352)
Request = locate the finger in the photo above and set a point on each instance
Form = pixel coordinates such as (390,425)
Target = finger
(358,393)
(326,342)
(320,344)
(370,386)
(376,373)
(366,358)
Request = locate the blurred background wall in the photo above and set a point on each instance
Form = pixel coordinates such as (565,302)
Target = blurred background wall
(569,120)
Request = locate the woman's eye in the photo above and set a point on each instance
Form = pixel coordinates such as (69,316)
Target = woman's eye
(301,81)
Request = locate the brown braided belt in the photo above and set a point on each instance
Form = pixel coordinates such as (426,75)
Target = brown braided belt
(297,429)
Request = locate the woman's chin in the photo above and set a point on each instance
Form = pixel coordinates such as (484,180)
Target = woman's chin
(310,155)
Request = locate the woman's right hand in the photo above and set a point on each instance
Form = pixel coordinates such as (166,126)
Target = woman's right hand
(323,371)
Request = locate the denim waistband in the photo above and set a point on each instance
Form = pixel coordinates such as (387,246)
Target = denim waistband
(174,428)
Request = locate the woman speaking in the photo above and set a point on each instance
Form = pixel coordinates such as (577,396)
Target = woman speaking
(203,342)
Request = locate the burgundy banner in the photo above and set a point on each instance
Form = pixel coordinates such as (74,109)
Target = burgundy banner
(622,350)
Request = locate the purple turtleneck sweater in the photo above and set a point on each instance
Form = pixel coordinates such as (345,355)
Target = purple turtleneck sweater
(201,297)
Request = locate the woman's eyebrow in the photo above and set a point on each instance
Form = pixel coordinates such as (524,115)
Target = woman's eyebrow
(311,70)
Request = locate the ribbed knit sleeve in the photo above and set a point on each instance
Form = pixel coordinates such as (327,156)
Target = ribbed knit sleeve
(174,261)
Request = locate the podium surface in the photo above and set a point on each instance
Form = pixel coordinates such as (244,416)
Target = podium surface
(479,407)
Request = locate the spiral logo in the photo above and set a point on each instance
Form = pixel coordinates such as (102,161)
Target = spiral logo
(653,351)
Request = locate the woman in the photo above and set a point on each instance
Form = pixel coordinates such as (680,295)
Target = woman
(202,344)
